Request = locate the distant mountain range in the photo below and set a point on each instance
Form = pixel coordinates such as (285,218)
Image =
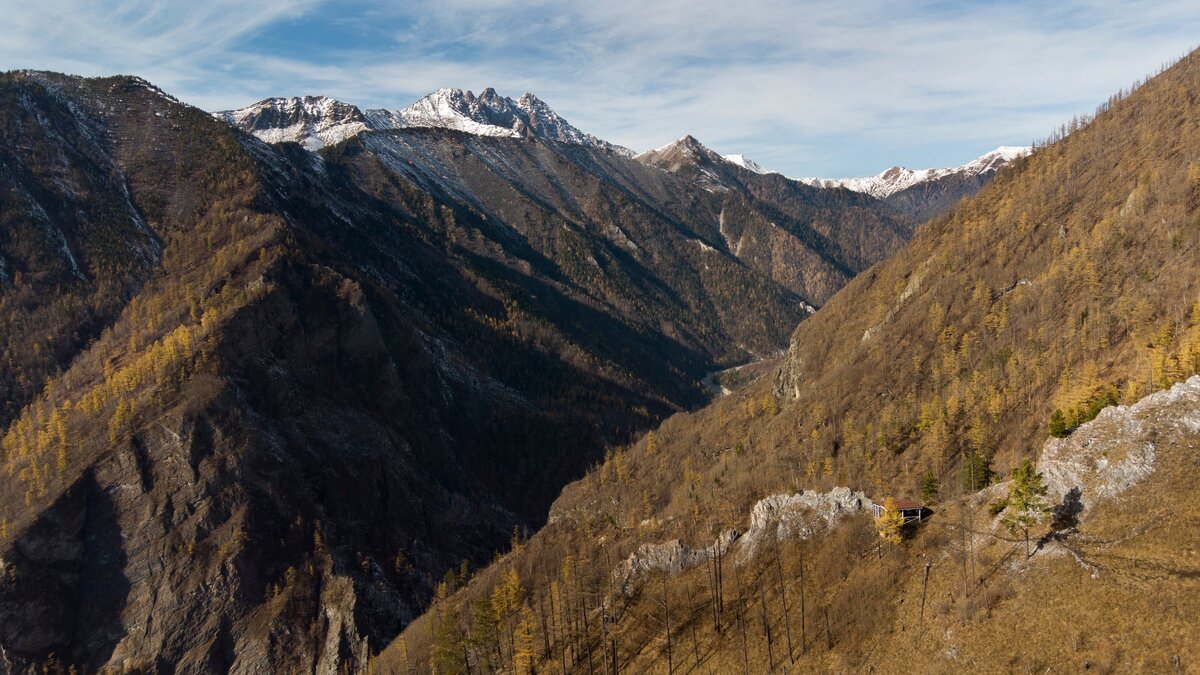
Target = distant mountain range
(317,121)
(899,178)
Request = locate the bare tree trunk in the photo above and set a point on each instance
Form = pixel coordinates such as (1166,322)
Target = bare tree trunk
(560,635)
(667,624)
(720,577)
(604,618)
(545,631)
(695,642)
(924,586)
(712,588)
(587,636)
(563,633)
(741,620)
(971,544)
(803,623)
(762,598)
(828,632)
(787,623)
(587,639)
(963,532)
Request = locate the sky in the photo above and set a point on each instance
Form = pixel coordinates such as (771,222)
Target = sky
(829,88)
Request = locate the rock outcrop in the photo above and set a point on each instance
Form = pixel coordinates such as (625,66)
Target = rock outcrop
(1117,450)
(781,516)
(798,515)
(671,557)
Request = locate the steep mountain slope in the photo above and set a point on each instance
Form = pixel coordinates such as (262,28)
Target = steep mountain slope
(261,398)
(600,225)
(1068,284)
(806,240)
(316,400)
(72,245)
(810,240)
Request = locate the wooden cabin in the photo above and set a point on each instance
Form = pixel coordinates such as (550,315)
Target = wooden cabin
(911,509)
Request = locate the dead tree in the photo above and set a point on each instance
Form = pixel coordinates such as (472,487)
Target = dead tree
(695,641)
(741,620)
(667,621)
(787,623)
(828,631)
(803,623)
(712,589)
(766,623)
(924,587)
(545,629)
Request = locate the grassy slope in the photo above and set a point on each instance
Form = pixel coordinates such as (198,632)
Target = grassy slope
(1074,270)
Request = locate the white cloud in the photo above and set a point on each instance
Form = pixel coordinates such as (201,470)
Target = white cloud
(804,87)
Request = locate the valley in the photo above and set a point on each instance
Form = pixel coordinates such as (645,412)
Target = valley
(460,387)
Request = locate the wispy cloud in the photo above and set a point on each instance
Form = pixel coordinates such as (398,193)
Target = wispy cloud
(809,88)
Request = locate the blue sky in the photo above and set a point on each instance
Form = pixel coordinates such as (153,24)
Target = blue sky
(807,88)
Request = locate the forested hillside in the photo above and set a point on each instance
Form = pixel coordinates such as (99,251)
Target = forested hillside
(1067,285)
(257,400)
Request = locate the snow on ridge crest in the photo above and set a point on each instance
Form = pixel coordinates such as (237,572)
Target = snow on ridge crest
(313,121)
(898,178)
(316,121)
(747,163)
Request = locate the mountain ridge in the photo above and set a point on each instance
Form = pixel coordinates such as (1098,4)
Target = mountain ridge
(898,178)
(317,121)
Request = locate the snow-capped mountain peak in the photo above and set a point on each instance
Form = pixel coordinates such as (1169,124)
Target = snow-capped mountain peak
(455,109)
(747,163)
(899,178)
(313,121)
(489,114)
(316,121)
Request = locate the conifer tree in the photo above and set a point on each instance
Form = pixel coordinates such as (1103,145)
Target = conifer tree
(977,471)
(1026,508)
(485,634)
(929,488)
(1058,424)
(448,655)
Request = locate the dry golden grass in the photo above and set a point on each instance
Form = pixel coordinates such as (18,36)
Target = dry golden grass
(1074,269)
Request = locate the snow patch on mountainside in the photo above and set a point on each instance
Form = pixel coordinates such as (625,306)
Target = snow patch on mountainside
(900,178)
(747,163)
